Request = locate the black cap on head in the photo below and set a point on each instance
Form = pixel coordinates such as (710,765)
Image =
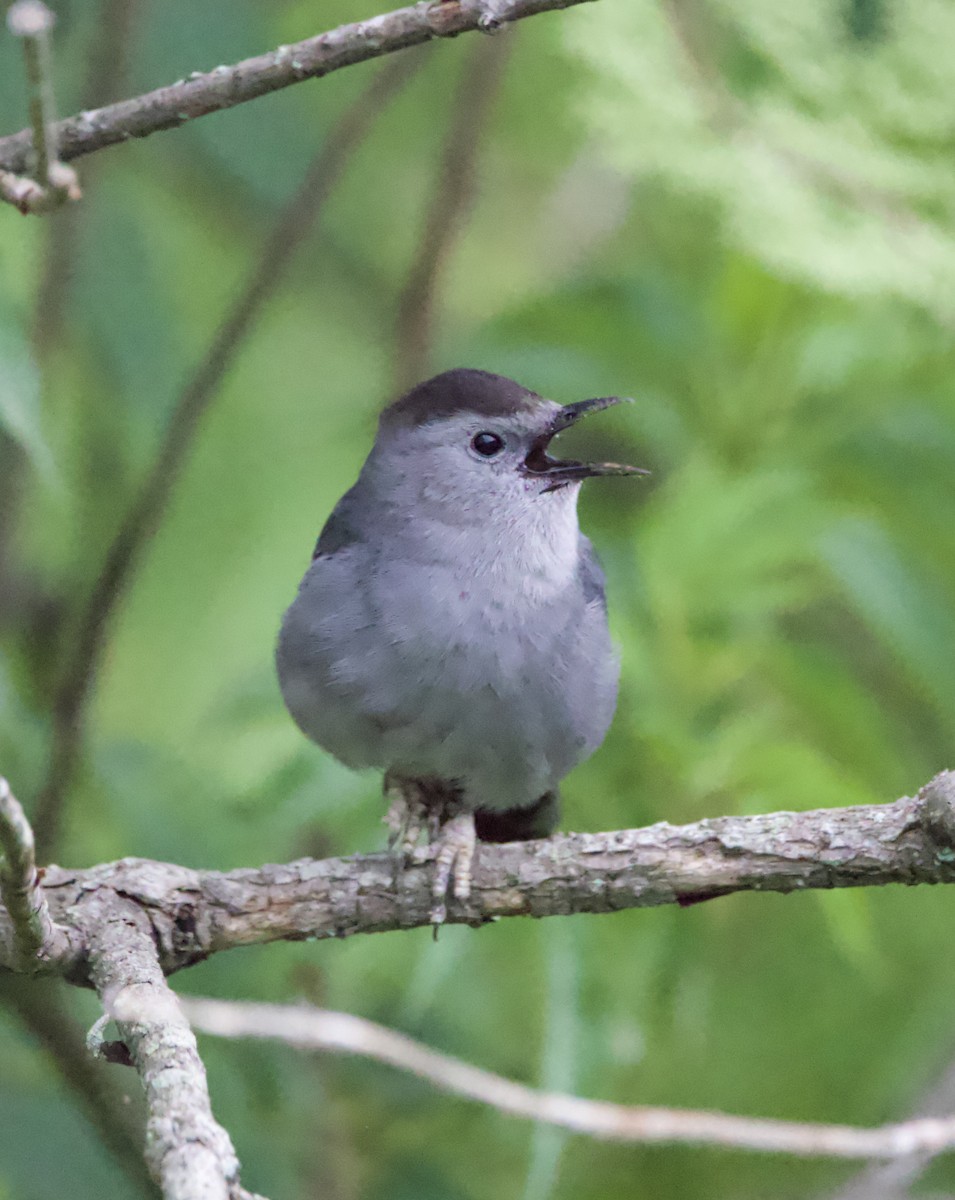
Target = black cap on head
(461,390)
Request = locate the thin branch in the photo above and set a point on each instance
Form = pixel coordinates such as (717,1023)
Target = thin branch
(32,22)
(893,1180)
(23,193)
(318,1029)
(34,935)
(447,214)
(189,1154)
(194,914)
(293,225)
(226,86)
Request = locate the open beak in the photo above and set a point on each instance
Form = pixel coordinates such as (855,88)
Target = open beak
(558,471)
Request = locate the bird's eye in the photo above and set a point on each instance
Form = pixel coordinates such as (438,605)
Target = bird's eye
(487,444)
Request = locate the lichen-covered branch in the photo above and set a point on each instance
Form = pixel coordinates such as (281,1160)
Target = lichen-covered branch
(125,925)
(226,86)
(30,934)
(197,913)
(187,1151)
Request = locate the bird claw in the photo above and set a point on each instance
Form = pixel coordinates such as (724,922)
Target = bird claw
(455,844)
(449,832)
(406,818)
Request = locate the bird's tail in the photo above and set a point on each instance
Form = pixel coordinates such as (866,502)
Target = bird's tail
(539,820)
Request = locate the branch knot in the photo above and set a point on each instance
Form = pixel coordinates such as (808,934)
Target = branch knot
(937,813)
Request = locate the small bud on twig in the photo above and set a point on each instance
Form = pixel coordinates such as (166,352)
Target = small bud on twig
(55,183)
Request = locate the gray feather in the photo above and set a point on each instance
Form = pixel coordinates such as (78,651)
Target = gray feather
(592,577)
(340,530)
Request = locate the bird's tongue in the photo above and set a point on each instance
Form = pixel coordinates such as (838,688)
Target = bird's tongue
(540,462)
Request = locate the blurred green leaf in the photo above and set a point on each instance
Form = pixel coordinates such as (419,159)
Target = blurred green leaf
(904,605)
(20,410)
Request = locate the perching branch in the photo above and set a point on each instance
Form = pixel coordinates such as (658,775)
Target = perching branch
(128,923)
(33,22)
(293,225)
(341,1033)
(197,913)
(227,86)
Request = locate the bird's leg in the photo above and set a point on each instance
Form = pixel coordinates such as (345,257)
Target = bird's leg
(455,843)
(407,815)
(433,808)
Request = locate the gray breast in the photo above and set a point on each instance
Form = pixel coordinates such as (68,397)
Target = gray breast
(399,666)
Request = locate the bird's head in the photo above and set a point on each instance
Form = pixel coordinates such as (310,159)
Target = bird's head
(471,438)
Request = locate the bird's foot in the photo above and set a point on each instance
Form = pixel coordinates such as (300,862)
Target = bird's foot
(407,816)
(422,807)
(455,843)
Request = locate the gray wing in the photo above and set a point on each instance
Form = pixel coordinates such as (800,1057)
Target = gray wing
(340,530)
(592,574)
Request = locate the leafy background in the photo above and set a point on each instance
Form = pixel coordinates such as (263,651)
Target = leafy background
(741,214)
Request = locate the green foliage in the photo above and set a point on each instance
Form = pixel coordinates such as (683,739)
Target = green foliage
(825,146)
(740,214)
(20,397)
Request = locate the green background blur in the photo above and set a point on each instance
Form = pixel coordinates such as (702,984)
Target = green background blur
(741,214)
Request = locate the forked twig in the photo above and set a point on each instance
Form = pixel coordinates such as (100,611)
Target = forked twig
(52,182)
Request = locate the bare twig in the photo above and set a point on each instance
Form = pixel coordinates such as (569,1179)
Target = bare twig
(893,1180)
(226,86)
(292,226)
(317,1029)
(197,913)
(33,22)
(447,215)
(35,937)
(188,1152)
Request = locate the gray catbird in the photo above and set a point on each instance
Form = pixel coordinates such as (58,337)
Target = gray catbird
(452,628)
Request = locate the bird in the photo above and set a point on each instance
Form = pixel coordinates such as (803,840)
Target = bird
(451,630)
